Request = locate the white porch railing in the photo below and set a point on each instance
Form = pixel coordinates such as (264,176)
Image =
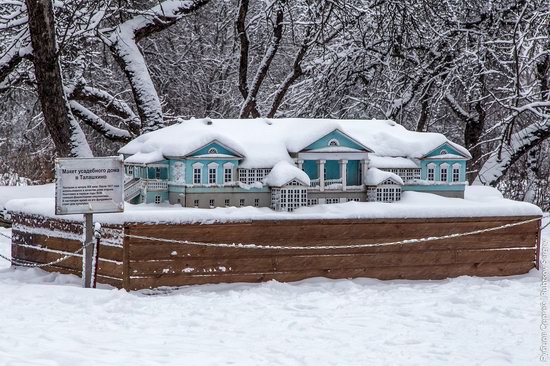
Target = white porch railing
(156,185)
(329,183)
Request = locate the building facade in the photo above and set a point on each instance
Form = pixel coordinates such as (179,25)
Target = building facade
(324,166)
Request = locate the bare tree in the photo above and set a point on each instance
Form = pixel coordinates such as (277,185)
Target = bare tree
(64,130)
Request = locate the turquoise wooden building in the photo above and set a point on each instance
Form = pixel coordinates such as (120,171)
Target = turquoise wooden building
(289,163)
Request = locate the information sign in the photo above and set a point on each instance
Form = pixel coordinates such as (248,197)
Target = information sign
(89,185)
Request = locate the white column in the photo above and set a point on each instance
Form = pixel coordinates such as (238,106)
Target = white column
(322,174)
(365,167)
(300,164)
(343,173)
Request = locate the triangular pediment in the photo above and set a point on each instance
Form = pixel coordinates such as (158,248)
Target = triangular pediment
(335,139)
(215,148)
(445,149)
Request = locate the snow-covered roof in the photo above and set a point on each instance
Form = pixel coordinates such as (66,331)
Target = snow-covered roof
(284,172)
(145,157)
(264,142)
(446,156)
(376,176)
(391,162)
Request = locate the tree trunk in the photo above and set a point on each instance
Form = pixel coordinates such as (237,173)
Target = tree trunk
(68,137)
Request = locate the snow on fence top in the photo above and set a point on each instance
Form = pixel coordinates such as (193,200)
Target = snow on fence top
(264,142)
(479,201)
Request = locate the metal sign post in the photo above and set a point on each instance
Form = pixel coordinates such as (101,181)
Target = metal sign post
(87,186)
(88,254)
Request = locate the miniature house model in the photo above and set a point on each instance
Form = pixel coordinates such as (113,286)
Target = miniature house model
(289,163)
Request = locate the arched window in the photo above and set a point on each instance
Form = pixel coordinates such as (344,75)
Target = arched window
(333,142)
(443,152)
(212,150)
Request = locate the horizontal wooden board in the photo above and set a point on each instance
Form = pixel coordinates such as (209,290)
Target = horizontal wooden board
(404,272)
(191,266)
(63,244)
(309,234)
(108,232)
(276,233)
(37,255)
(140,249)
(41,222)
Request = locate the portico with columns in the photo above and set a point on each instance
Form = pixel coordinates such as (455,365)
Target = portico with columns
(335,170)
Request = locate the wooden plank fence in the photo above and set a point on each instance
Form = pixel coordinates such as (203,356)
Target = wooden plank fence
(136,263)
(42,240)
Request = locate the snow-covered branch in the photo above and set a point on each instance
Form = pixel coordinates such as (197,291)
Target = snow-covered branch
(111,104)
(91,119)
(123,43)
(17,51)
(521,142)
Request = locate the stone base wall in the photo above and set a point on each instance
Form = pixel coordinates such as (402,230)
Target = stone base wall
(343,196)
(188,199)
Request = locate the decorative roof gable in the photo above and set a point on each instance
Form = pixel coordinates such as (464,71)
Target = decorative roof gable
(336,140)
(215,149)
(448,150)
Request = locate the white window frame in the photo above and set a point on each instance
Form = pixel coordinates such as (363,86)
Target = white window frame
(312,201)
(333,142)
(291,197)
(197,168)
(213,173)
(228,172)
(388,193)
(212,203)
(430,171)
(456,172)
(157,173)
(212,150)
(157,199)
(251,176)
(444,168)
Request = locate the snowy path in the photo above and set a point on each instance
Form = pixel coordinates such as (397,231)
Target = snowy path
(46,319)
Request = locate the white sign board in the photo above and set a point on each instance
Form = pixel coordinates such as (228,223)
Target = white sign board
(89,185)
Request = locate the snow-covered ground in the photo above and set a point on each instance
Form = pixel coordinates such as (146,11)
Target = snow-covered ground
(47,319)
